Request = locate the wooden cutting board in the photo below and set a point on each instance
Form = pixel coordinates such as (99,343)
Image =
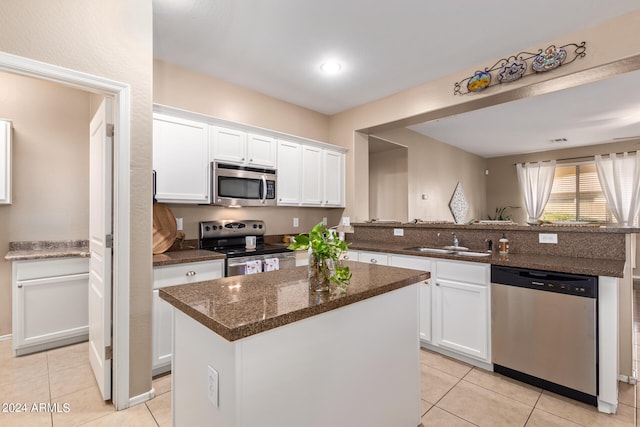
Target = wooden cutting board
(165,228)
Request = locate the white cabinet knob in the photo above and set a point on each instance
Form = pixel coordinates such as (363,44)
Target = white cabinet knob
(190,273)
(374,261)
(19,286)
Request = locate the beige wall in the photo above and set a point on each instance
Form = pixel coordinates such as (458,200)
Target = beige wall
(611,41)
(389,184)
(434,169)
(50,169)
(188,90)
(112,39)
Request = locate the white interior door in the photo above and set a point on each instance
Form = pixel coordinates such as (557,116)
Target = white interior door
(100,238)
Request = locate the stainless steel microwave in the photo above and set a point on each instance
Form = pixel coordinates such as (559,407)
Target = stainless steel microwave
(235,185)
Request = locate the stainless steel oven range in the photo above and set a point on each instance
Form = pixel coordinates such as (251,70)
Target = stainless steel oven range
(231,238)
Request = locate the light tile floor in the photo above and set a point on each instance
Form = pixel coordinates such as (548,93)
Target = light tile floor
(453,394)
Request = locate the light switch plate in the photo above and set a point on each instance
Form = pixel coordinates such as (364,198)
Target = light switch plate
(346,221)
(398,231)
(296,222)
(547,238)
(212,386)
(179,224)
(324,221)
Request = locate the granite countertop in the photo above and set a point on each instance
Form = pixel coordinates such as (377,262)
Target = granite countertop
(45,249)
(240,306)
(574,265)
(545,228)
(185,255)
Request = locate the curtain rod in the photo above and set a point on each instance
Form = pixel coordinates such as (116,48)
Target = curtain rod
(576,159)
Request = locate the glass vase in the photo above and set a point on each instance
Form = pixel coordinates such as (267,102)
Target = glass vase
(319,273)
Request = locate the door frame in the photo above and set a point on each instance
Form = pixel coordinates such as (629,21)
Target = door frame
(121,94)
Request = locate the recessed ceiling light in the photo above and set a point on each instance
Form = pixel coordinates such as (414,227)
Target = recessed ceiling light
(331,67)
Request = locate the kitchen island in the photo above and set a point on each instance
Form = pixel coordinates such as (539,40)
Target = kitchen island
(263,350)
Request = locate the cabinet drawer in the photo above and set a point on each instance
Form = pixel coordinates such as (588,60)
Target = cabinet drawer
(187,273)
(373,258)
(470,272)
(37,269)
(411,262)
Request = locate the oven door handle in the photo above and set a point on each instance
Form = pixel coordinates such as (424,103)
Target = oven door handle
(237,264)
(264,190)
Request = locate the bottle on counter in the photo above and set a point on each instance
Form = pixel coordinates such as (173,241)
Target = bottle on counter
(503,244)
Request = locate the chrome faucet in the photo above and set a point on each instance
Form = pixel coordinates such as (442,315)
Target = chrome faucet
(455,241)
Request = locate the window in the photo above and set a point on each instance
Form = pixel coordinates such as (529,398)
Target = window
(576,196)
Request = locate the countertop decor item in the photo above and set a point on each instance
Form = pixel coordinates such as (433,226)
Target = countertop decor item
(324,258)
(516,66)
(458,204)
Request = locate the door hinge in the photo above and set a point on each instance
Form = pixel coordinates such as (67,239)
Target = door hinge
(108,241)
(110,130)
(108,353)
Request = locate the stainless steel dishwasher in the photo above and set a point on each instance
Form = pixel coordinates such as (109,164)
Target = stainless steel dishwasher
(544,329)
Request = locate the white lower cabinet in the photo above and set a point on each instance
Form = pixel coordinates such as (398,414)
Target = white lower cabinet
(423,264)
(50,303)
(461,308)
(176,274)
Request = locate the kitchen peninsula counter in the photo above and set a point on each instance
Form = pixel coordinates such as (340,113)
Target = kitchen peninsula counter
(264,350)
(562,264)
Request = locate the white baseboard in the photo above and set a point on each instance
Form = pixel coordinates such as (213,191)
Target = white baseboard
(5,337)
(141,398)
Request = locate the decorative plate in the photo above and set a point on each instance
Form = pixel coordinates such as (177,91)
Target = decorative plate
(458,204)
(549,59)
(480,81)
(512,71)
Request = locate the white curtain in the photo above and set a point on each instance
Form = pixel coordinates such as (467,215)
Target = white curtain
(536,181)
(620,181)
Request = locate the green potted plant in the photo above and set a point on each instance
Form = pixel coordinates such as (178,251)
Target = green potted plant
(324,257)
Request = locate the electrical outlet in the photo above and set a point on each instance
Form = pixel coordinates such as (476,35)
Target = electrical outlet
(324,221)
(398,231)
(547,238)
(346,221)
(296,222)
(212,385)
(179,224)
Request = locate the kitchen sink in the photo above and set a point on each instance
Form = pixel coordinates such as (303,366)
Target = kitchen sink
(462,251)
(429,250)
(472,254)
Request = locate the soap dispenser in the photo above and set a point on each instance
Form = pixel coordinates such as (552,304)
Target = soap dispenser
(503,244)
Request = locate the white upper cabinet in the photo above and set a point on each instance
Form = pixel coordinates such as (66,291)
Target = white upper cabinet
(228,145)
(261,150)
(5,162)
(180,159)
(333,178)
(235,146)
(309,175)
(312,176)
(289,169)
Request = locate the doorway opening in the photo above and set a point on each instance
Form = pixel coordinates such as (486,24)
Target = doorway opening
(121,94)
(388,180)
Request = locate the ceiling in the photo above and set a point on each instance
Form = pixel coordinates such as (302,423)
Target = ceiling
(276,47)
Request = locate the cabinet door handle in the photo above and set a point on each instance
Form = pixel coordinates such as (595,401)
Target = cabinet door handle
(251,160)
(190,273)
(346,257)
(427,282)
(437,284)
(374,261)
(19,286)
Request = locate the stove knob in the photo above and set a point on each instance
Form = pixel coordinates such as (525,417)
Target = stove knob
(206,227)
(215,227)
(255,225)
(260,226)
